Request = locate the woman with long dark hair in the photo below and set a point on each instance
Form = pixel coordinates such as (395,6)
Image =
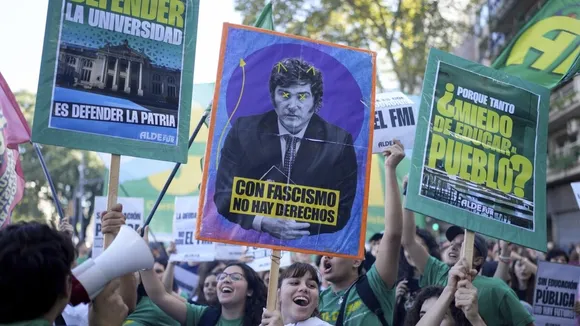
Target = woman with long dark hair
(298,293)
(522,276)
(241,295)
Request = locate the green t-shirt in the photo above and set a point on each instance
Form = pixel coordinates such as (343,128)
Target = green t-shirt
(357,312)
(194,313)
(498,303)
(36,322)
(148,313)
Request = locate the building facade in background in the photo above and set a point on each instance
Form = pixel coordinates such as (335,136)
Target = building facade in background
(496,22)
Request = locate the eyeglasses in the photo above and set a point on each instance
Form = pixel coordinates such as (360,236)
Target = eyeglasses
(233,276)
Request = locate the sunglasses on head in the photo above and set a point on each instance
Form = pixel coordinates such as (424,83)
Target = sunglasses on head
(233,276)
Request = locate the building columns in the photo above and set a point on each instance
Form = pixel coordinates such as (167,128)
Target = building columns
(105,73)
(115,86)
(128,78)
(140,91)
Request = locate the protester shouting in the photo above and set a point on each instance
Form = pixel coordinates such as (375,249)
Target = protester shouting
(298,291)
(241,295)
(343,273)
(498,304)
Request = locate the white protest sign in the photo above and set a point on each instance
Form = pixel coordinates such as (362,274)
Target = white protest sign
(576,190)
(132,209)
(262,259)
(186,280)
(395,118)
(224,251)
(555,294)
(184,222)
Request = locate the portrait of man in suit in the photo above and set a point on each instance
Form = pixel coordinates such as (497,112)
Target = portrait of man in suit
(291,144)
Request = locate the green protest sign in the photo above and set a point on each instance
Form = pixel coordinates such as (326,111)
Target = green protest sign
(480,151)
(116,77)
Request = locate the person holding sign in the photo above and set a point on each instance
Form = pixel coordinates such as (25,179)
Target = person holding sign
(456,304)
(297,298)
(311,162)
(346,301)
(498,303)
(241,293)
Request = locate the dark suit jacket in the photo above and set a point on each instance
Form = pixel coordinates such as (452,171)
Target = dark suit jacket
(253,146)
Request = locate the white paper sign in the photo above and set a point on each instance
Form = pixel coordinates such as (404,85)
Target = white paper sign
(576,189)
(555,294)
(184,219)
(262,259)
(224,251)
(395,118)
(132,208)
(186,280)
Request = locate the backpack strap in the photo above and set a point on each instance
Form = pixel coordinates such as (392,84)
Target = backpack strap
(210,316)
(342,311)
(369,299)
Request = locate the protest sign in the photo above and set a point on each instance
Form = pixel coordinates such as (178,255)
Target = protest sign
(186,280)
(286,167)
(555,294)
(187,247)
(576,189)
(224,251)
(395,118)
(261,259)
(479,159)
(116,77)
(132,209)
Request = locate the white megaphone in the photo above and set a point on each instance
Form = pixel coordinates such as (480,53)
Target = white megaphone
(127,254)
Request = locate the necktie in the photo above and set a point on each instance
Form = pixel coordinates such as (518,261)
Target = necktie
(290,154)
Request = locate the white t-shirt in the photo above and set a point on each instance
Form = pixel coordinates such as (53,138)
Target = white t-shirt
(312,321)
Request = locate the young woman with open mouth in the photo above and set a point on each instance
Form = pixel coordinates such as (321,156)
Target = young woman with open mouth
(298,292)
(241,295)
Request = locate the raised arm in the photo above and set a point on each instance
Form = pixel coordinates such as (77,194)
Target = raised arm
(172,306)
(503,266)
(388,254)
(417,252)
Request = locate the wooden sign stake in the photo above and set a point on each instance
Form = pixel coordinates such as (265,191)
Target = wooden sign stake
(112,192)
(467,249)
(273,283)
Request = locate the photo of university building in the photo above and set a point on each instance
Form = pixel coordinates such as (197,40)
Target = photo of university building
(119,71)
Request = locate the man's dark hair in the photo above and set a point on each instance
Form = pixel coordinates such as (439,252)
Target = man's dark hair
(557,252)
(414,314)
(295,71)
(35,262)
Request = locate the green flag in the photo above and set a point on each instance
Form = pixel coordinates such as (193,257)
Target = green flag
(264,21)
(547,50)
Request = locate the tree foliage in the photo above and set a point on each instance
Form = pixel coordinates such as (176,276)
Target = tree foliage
(63,165)
(400,31)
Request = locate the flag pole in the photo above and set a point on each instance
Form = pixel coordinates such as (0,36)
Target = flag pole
(49,179)
(175,169)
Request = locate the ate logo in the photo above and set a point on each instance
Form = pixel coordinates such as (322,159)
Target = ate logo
(554,42)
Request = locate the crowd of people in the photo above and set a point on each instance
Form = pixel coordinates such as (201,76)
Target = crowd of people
(406,278)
